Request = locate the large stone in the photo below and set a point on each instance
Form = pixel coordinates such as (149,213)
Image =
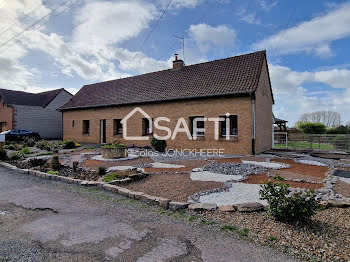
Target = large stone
(227,208)
(338,203)
(177,205)
(249,207)
(148,198)
(138,195)
(164,202)
(124,191)
(202,206)
(111,188)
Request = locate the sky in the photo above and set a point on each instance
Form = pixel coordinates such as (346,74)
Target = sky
(47,44)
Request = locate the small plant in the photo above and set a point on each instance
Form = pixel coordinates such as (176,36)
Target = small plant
(10,147)
(286,207)
(29,141)
(37,162)
(69,144)
(272,238)
(53,172)
(3,155)
(75,166)
(192,218)
(158,145)
(16,156)
(244,232)
(101,171)
(26,151)
(55,163)
(43,145)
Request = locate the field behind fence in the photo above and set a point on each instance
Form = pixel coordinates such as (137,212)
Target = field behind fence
(296,141)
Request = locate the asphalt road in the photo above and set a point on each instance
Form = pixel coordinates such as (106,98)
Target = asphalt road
(43,220)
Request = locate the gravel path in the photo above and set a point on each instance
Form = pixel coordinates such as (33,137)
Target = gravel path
(239,193)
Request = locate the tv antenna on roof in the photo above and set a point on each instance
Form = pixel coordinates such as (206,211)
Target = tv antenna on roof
(183,45)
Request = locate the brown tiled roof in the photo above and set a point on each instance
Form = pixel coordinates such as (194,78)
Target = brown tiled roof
(12,97)
(229,76)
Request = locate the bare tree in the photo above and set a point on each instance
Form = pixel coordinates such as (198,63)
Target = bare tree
(329,118)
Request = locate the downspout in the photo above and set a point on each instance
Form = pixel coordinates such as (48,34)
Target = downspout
(253,122)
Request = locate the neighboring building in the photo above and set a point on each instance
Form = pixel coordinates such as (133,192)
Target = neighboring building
(238,85)
(35,112)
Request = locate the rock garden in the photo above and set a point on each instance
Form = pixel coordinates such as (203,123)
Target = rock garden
(238,191)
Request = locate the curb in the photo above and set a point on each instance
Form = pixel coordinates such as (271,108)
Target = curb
(162,202)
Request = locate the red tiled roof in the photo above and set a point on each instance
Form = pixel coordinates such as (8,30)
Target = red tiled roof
(229,76)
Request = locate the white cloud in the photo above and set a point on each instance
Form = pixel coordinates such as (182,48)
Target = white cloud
(206,36)
(185,3)
(247,17)
(266,5)
(313,36)
(99,24)
(294,98)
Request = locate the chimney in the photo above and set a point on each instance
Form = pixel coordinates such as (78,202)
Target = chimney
(178,63)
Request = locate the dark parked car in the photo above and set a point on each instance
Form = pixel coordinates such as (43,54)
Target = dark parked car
(19,135)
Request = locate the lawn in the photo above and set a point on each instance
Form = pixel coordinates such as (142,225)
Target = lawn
(305,145)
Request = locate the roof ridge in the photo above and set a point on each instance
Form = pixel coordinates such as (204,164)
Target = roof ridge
(170,69)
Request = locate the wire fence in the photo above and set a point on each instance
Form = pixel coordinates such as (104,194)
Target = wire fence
(297,141)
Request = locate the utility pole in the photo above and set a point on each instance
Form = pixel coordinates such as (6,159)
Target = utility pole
(183,45)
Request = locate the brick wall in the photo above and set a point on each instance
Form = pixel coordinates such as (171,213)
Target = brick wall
(6,116)
(240,106)
(263,113)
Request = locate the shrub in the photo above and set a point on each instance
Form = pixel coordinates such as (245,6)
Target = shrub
(312,128)
(3,155)
(26,151)
(29,141)
(146,147)
(286,207)
(43,145)
(55,163)
(10,147)
(69,144)
(158,145)
(16,156)
(37,162)
(101,171)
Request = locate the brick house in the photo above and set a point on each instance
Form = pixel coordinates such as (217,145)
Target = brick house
(33,111)
(238,85)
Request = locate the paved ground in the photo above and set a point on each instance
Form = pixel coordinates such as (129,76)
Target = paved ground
(43,220)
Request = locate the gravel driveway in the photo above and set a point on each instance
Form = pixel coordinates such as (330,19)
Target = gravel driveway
(43,220)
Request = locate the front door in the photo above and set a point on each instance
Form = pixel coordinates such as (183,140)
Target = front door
(103,130)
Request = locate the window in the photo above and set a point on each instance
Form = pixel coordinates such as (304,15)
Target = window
(200,125)
(72,123)
(146,130)
(232,125)
(86,126)
(117,127)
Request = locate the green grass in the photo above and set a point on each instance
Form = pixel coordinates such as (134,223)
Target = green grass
(114,146)
(272,238)
(53,172)
(113,176)
(91,147)
(244,232)
(44,154)
(305,145)
(229,228)
(192,218)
